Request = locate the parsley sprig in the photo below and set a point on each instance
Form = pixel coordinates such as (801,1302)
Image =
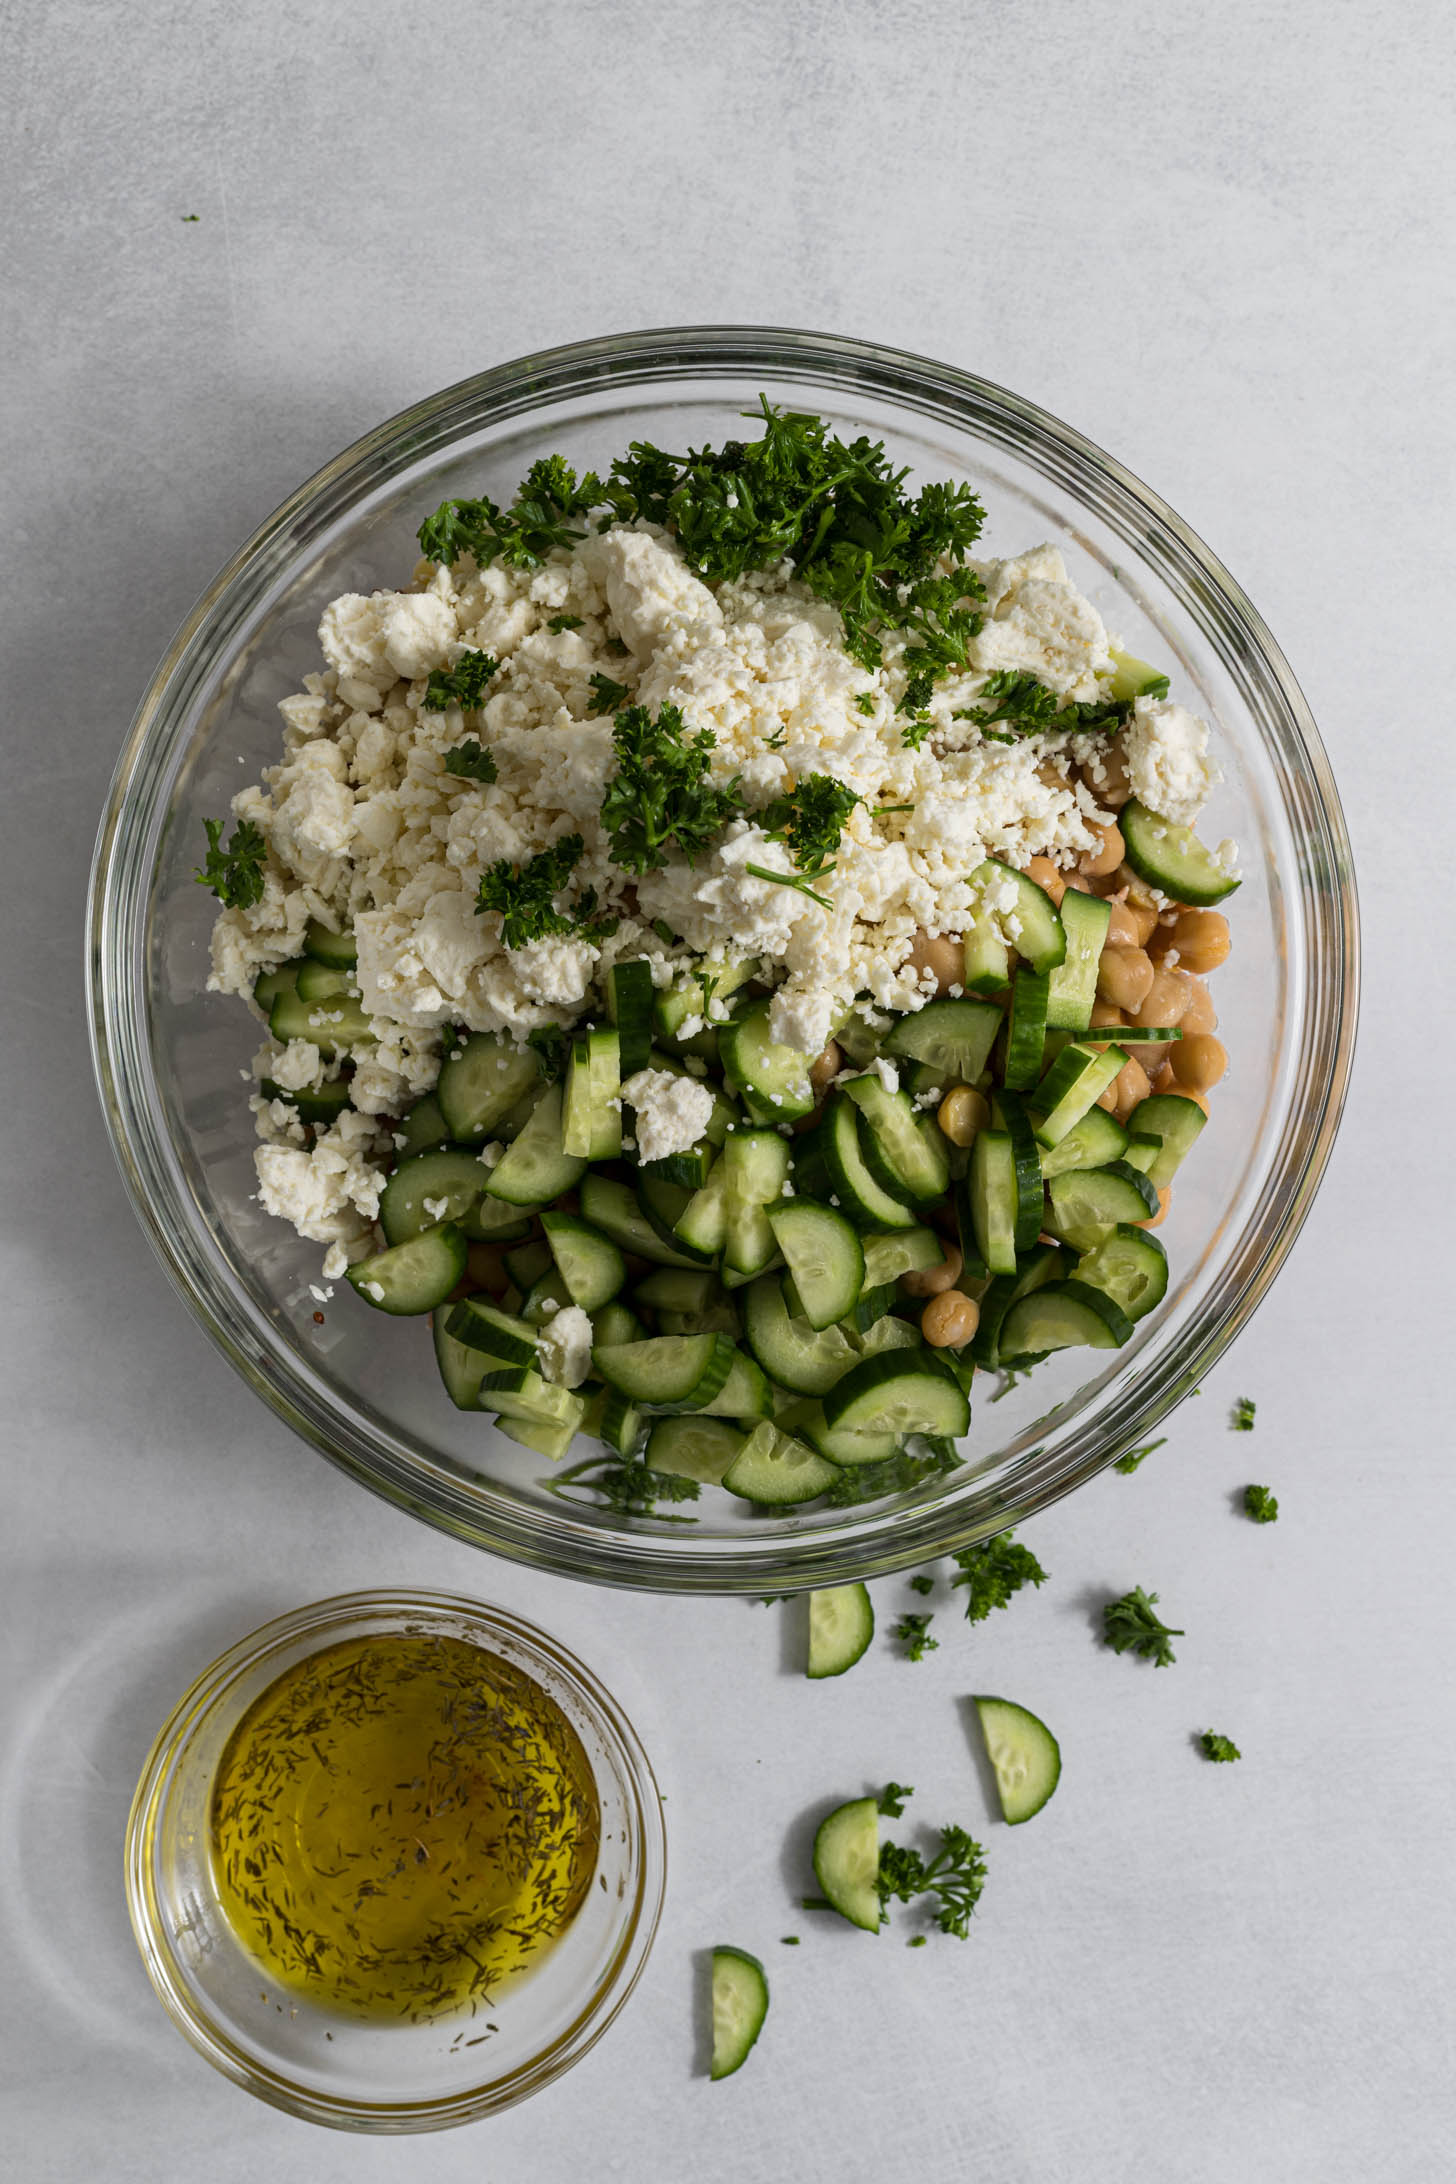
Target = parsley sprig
(234,874)
(1132,1625)
(626,1485)
(1215,1746)
(811,819)
(1014,704)
(1261,1505)
(462,685)
(523,534)
(524,895)
(955,1876)
(913,1632)
(471,761)
(1241,1418)
(992,1571)
(660,797)
(1128,1463)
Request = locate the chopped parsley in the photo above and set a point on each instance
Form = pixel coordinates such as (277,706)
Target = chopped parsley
(234,874)
(914,730)
(1241,1418)
(1156,686)
(1261,1505)
(549,1043)
(922,1584)
(866,701)
(660,797)
(471,761)
(992,1571)
(891,1800)
(523,534)
(1013,704)
(1131,1625)
(913,1632)
(523,894)
(896,1475)
(1215,1746)
(607,696)
(462,685)
(955,1876)
(1129,1463)
(559,622)
(812,818)
(625,1485)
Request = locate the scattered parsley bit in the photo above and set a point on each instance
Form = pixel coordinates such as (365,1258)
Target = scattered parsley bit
(913,1632)
(922,1584)
(1014,704)
(916,1941)
(955,1875)
(865,702)
(1242,1418)
(234,874)
(525,533)
(1261,1505)
(607,696)
(811,819)
(772,1599)
(1011,1377)
(660,795)
(1129,1625)
(625,1485)
(891,1800)
(815,1903)
(777,740)
(802,882)
(471,761)
(1128,1464)
(789,1941)
(914,730)
(992,1572)
(1217,1747)
(189,219)
(462,685)
(880,809)
(549,1043)
(559,622)
(523,893)
(664,932)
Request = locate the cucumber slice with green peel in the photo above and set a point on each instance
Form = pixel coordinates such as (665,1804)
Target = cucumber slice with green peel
(714,1319)
(1062,1316)
(591,1115)
(716,979)
(332,1025)
(1142,1151)
(953,1037)
(799,1357)
(433,1187)
(1134,678)
(631,1000)
(847,1862)
(1011,1116)
(614,1209)
(1075,1082)
(776,1469)
(890,1333)
(771,1080)
(993,1200)
(1026,1030)
(745,1394)
(829,1164)
(492,1221)
(268,985)
(590,1264)
(740,2005)
(1086,1204)
(461,1368)
(703,1224)
(528,1262)
(679,1289)
(756,1167)
(693,1448)
(1043,1264)
(1131,1266)
(662,1205)
(536,1166)
(897,1252)
(845,1449)
(615,1322)
(1090,1143)
(481,1081)
(905,1160)
(501,1336)
(1030,922)
(339,951)
(412,1277)
(1171,858)
(624,1427)
(1072,985)
(690,1168)
(422,1129)
(321,1103)
(323,982)
(667,1372)
(1024,1756)
(899,1392)
(515,1391)
(1178,1122)
(841,1626)
(547,1439)
(824,1256)
(986,958)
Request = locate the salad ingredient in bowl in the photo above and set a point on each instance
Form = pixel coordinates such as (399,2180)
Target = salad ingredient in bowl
(733,957)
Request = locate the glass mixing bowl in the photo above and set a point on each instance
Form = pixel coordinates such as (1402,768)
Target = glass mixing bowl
(168,1055)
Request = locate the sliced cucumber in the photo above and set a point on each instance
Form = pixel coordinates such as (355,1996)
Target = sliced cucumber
(693,1448)
(1031,923)
(624,1428)
(897,1252)
(771,1080)
(331,1025)
(1074,1084)
(461,1369)
(1026,1029)
(481,1081)
(1090,1143)
(663,1204)
(591,1115)
(745,1394)
(986,958)
(516,1391)
(679,1289)
(1043,1263)
(1088,1203)
(613,1208)
(269,984)
(1171,858)
(715,980)
(433,1187)
(1011,1116)
(847,1862)
(536,1166)
(321,982)
(667,1372)
(492,1221)
(1072,987)
(423,1128)
(847,1449)
(805,1359)
(992,1195)
(899,1392)
(1177,1121)
(756,1167)
(1024,1754)
(615,1323)
(500,1336)
(1131,1266)
(541,1434)
(1062,1316)
(703,1223)
(775,1469)
(589,1263)
(1134,678)
(829,1163)
(953,1037)
(630,1001)
(339,950)
(321,1103)
(841,1625)
(905,1159)
(546,1296)
(740,2005)
(415,1276)
(824,1256)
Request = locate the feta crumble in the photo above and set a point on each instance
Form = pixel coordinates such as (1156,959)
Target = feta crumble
(672,1112)
(564,1347)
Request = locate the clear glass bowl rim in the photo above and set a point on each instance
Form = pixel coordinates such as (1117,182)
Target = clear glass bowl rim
(1323,890)
(325,1620)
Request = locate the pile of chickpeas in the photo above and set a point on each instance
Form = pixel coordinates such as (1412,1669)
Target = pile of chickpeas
(1151,977)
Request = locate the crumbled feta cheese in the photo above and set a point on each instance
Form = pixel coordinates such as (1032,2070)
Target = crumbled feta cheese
(1165,749)
(672,1112)
(564,1347)
(887,1073)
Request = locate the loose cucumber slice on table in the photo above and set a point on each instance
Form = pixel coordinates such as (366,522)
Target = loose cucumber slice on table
(481,1081)
(740,2005)
(1024,1754)
(1171,858)
(415,1276)
(847,1862)
(824,1256)
(841,1625)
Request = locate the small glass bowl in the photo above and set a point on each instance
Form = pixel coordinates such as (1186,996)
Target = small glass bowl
(356,2074)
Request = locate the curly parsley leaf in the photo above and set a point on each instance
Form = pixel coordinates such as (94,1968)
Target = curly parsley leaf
(660,797)
(462,685)
(523,894)
(234,874)
(1241,1419)
(1261,1505)
(471,761)
(891,1800)
(607,696)
(992,1571)
(913,1632)
(1014,704)
(955,1876)
(1132,1625)
(1218,1747)
(811,819)
(896,1475)
(523,534)
(1129,1463)
(559,622)
(922,1584)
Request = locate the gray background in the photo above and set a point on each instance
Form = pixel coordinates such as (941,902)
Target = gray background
(1218,241)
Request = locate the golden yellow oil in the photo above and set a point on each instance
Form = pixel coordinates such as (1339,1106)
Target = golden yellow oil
(401,1824)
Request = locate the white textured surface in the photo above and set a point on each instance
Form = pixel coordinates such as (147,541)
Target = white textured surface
(1219,242)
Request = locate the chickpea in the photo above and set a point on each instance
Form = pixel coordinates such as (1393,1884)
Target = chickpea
(962,1113)
(950,1320)
(823,1072)
(1138,891)
(1158,1064)
(1202,940)
(1145,917)
(1131,1086)
(1164,1001)
(1099,863)
(1200,1014)
(1124,930)
(939,954)
(1114,788)
(1199,1062)
(1124,977)
(1047,877)
(930,1281)
(1108,1099)
(1154,1220)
